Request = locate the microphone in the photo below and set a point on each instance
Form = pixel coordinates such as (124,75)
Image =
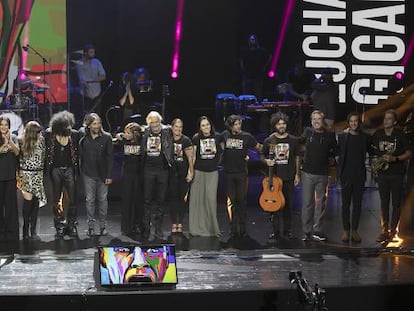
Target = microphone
(25,47)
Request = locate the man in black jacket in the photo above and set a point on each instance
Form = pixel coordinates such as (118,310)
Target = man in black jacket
(96,159)
(157,151)
(62,166)
(353,145)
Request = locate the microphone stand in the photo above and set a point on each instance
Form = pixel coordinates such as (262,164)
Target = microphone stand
(363,106)
(45,61)
(99,100)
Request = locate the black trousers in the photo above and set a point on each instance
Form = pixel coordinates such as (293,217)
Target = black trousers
(177,190)
(285,214)
(155,194)
(352,191)
(132,207)
(9,218)
(63,180)
(390,187)
(236,190)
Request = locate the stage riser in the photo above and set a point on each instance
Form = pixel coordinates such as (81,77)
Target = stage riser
(378,298)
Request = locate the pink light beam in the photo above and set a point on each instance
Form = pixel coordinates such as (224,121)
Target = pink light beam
(276,54)
(177,39)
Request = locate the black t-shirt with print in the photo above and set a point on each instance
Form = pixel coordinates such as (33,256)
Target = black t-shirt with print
(132,156)
(235,151)
(180,158)
(208,152)
(395,144)
(153,156)
(283,151)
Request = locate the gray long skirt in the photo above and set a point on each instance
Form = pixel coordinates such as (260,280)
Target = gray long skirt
(203,205)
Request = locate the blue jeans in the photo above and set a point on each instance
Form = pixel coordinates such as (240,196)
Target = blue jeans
(96,191)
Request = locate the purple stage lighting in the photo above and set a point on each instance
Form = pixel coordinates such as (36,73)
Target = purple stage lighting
(178,29)
(286,17)
(399,75)
(408,51)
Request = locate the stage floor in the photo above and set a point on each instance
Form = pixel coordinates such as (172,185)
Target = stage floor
(248,267)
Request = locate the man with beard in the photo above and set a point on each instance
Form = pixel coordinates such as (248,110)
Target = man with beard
(235,157)
(281,151)
(96,157)
(90,73)
(320,146)
(62,166)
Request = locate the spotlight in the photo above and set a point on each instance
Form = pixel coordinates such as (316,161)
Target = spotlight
(396,82)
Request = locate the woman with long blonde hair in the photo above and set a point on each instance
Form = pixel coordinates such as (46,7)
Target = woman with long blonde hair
(32,156)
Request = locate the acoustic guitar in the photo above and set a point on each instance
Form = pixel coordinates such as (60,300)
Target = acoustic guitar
(272,198)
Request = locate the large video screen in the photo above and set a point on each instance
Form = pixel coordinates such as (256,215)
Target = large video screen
(33,53)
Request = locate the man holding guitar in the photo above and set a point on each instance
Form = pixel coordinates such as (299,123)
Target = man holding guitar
(281,154)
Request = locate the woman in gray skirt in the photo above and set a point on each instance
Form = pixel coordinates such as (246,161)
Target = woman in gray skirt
(203,193)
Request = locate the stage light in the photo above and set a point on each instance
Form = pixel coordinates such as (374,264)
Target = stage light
(287,12)
(396,82)
(177,39)
(271,74)
(399,75)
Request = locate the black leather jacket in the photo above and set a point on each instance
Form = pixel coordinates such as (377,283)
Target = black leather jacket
(167,146)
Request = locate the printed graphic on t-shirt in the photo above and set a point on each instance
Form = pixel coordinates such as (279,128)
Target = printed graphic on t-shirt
(234,143)
(387,146)
(154,146)
(208,148)
(178,152)
(132,150)
(280,153)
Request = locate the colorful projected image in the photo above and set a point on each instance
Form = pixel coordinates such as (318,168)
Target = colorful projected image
(137,265)
(33,52)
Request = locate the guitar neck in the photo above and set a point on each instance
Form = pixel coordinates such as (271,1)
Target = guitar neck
(270,176)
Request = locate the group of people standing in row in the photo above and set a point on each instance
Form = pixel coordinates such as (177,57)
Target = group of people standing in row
(388,146)
(163,168)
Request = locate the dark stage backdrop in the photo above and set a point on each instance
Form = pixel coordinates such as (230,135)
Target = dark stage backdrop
(130,34)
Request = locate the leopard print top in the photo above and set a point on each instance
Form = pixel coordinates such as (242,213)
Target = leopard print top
(31,173)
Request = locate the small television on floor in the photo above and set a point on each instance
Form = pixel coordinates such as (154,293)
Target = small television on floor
(137,266)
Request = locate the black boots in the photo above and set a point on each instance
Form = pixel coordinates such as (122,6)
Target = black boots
(30,214)
(27,209)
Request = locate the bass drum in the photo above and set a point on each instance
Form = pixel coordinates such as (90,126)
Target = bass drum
(16,123)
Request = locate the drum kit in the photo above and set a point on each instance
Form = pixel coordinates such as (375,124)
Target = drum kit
(22,104)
